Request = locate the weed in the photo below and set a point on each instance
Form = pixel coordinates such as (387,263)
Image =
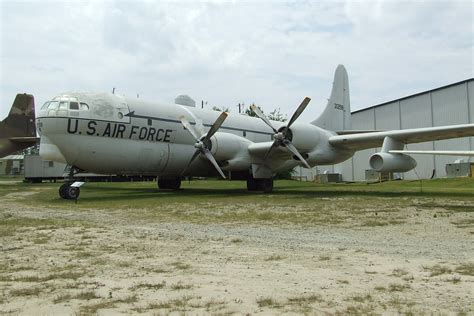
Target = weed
(236,240)
(393,287)
(466,269)
(274,258)
(34,291)
(181,265)
(399,272)
(148,286)
(180,286)
(437,269)
(268,302)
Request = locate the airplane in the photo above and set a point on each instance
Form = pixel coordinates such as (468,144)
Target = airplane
(111,134)
(17,130)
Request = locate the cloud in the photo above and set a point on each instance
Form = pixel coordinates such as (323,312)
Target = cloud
(226,52)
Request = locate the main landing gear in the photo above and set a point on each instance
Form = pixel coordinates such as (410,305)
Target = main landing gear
(265,185)
(169,183)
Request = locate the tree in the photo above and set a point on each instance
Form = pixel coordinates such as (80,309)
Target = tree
(250,112)
(276,115)
(221,109)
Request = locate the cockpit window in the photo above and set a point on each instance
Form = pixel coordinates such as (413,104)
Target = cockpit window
(63,105)
(84,106)
(53,105)
(73,105)
(45,105)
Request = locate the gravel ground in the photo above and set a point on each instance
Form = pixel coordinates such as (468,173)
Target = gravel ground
(59,261)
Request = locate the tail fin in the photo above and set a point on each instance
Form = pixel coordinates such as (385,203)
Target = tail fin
(337,114)
(18,130)
(20,122)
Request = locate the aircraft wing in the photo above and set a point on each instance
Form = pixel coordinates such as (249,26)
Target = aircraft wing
(260,149)
(24,140)
(360,141)
(435,152)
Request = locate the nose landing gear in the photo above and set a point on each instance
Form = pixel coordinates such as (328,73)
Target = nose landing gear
(69,192)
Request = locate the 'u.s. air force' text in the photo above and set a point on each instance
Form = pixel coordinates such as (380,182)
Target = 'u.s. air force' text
(118,130)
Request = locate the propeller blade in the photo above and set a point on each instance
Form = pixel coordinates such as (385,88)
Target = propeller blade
(211,158)
(196,153)
(189,127)
(274,145)
(298,111)
(216,125)
(293,149)
(262,116)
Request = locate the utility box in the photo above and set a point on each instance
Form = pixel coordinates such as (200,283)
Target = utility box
(330,178)
(460,169)
(372,175)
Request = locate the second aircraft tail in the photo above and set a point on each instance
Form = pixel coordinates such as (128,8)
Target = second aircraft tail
(337,114)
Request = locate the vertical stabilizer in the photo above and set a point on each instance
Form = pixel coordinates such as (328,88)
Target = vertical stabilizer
(337,114)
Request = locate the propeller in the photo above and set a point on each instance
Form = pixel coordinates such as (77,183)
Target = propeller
(203,141)
(283,135)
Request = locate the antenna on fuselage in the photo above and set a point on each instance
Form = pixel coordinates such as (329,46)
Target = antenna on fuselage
(113,90)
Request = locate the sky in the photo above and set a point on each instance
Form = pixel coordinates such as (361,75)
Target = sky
(271,53)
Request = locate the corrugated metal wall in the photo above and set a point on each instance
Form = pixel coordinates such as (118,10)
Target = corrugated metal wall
(445,106)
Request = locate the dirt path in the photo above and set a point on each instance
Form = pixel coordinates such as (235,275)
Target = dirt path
(63,262)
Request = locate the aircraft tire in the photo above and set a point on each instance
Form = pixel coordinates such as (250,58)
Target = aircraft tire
(169,184)
(63,190)
(266,185)
(73,193)
(252,184)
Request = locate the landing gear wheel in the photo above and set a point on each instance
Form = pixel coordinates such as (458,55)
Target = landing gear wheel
(169,183)
(252,184)
(63,190)
(67,192)
(266,185)
(73,193)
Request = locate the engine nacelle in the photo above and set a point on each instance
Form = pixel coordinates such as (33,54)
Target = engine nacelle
(387,162)
(305,137)
(231,150)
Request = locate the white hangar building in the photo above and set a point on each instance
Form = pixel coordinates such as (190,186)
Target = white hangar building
(448,105)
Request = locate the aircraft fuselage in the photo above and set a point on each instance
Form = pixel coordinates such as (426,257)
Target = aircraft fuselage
(117,135)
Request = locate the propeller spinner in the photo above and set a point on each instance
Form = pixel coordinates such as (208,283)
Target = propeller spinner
(283,135)
(203,142)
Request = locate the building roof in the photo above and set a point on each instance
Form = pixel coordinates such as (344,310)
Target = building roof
(414,95)
(13,157)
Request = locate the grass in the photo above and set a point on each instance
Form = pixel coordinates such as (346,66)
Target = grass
(180,286)
(268,302)
(181,265)
(437,269)
(294,202)
(34,291)
(394,287)
(465,268)
(274,258)
(149,286)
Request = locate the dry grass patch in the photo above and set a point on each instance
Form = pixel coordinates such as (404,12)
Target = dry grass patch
(148,286)
(268,302)
(466,268)
(274,258)
(437,269)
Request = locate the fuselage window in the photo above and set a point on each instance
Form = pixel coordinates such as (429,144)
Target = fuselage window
(149,122)
(74,106)
(84,106)
(53,105)
(45,105)
(244,133)
(63,105)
